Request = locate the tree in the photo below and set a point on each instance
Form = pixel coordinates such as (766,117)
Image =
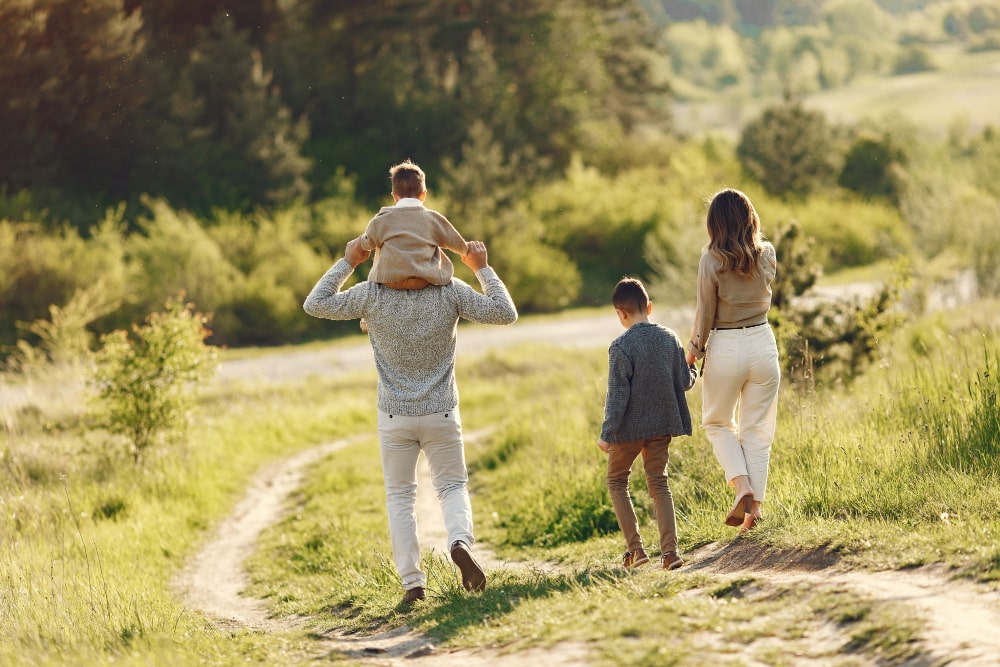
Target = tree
(380,82)
(788,149)
(68,95)
(873,167)
(226,140)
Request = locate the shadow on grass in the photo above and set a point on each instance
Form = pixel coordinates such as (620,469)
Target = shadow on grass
(746,555)
(448,611)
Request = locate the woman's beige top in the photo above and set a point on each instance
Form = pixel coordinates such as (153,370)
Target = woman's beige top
(730,300)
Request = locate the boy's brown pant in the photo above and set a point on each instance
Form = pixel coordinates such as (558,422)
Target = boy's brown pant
(655,454)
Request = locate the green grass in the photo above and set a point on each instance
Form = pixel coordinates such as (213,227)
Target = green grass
(963,88)
(90,541)
(895,470)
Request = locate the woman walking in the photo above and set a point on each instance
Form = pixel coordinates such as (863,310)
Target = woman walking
(732,335)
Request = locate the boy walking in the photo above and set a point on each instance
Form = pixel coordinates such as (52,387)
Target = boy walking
(645,407)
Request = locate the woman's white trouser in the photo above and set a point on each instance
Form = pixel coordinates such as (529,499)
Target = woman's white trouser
(740,401)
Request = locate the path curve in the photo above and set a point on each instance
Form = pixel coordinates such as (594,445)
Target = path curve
(961,619)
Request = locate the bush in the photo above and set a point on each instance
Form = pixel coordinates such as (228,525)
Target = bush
(274,269)
(873,168)
(914,58)
(839,336)
(175,254)
(848,231)
(145,383)
(40,269)
(788,149)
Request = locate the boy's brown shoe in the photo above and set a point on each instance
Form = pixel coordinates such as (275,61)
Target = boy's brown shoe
(635,558)
(473,577)
(671,561)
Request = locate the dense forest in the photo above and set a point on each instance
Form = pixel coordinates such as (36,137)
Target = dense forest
(227,150)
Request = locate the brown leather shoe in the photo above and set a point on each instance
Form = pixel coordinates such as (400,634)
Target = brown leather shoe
(473,577)
(411,595)
(633,559)
(671,561)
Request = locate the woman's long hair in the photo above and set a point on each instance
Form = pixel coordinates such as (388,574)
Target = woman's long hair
(734,232)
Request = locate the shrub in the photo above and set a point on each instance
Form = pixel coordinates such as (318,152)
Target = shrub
(274,269)
(176,254)
(873,168)
(839,336)
(788,149)
(145,382)
(40,269)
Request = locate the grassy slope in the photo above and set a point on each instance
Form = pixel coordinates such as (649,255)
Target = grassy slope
(963,88)
(888,472)
(896,470)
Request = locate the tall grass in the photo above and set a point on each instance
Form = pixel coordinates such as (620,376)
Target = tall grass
(878,469)
(89,541)
(897,469)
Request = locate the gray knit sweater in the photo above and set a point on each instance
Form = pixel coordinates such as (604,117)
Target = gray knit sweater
(647,378)
(413,332)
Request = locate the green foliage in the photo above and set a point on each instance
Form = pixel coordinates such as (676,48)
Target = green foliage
(484,196)
(601,222)
(40,269)
(873,167)
(848,231)
(536,75)
(824,339)
(798,268)
(63,339)
(145,383)
(173,253)
(788,149)
(70,88)
(228,141)
(914,58)
(710,57)
(837,339)
(275,268)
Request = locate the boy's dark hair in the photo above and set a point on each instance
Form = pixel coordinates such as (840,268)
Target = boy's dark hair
(630,295)
(408,179)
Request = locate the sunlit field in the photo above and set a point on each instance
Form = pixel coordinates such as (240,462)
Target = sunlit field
(962,92)
(896,469)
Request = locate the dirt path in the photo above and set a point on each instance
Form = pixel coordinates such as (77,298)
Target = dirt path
(962,620)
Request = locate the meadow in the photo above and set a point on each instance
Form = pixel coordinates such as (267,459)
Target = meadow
(895,470)
(960,92)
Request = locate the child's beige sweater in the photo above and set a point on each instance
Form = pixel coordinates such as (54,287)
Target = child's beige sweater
(407,241)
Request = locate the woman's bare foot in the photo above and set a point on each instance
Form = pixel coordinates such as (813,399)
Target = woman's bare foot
(752,518)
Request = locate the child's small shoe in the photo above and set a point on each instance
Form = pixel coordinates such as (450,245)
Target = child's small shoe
(671,561)
(635,558)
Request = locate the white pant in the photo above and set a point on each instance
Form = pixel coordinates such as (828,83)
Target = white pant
(740,401)
(401,438)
